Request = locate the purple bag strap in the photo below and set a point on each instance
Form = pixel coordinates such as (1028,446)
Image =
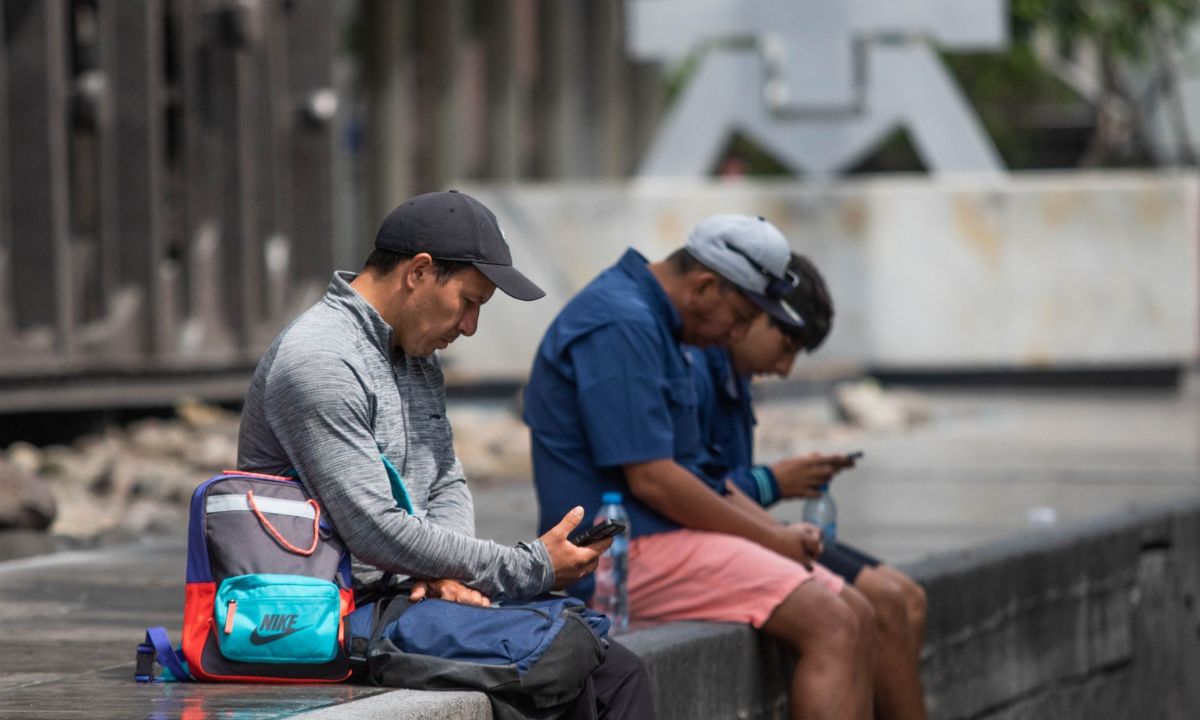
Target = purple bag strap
(167,656)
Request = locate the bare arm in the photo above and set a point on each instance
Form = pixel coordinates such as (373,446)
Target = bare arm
(739,498)
(670,489)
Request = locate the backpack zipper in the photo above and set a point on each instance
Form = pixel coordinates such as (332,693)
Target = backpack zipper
(229,616)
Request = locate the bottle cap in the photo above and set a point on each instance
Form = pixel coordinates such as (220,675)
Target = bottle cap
(824,487)
(611,498)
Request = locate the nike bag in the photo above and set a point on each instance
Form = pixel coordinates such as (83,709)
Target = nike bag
(268,588)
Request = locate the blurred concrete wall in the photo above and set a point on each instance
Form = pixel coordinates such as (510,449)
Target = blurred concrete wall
(1089,621)
(1023,272)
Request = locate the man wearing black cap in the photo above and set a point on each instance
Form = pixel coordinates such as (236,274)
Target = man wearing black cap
(351,398)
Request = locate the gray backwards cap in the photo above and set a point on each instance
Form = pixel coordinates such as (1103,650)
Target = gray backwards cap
(455,226)
(752,254)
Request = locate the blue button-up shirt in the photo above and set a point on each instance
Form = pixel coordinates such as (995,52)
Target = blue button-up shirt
(726,416)
(611,386)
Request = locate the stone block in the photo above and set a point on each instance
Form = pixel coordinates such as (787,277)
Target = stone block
(408,705)
(1093,620)
(713,670)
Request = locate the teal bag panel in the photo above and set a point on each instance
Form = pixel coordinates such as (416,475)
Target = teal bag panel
(278,619)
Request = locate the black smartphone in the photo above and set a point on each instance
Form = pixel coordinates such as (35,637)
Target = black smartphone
(854,455)
(598,532)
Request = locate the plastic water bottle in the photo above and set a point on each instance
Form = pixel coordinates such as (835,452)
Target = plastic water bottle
(822,512)
(611,596)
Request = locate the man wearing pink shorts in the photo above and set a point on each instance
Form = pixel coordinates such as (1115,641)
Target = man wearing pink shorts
(611,407)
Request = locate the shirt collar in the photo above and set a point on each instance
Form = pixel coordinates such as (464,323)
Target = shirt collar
(345,298)
(635,265)
(734,386)
(729,383)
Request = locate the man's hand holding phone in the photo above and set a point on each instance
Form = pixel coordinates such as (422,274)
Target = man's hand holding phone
(803,476)
(570,561)
(596,533)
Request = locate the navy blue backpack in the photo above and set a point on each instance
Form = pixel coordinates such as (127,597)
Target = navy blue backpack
(532,657)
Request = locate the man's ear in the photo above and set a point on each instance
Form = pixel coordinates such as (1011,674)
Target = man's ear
(705,283)
(700,290)
(420,269)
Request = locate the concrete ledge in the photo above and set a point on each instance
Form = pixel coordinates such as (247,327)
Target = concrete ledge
(713,670)
(1097,620)
(408,705)
(699,670)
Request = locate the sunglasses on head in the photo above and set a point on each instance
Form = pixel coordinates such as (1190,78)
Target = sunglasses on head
(777,287)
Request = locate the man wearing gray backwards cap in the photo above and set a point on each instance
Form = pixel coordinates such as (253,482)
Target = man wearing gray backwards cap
(350,396)
(611,408)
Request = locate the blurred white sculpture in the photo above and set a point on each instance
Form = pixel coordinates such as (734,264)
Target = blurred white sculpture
(817,83)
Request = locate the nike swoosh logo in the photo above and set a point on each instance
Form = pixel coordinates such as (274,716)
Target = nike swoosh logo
(256,639)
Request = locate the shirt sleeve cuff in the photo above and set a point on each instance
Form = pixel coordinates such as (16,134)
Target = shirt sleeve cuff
(768,486)
(541,561)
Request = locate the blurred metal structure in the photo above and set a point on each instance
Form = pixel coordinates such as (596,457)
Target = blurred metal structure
(498,90)
(178,178)
(165,192)
(817,83)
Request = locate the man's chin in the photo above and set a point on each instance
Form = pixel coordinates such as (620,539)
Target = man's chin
(419,352)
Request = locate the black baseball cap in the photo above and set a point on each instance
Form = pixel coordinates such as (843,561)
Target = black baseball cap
(455,226)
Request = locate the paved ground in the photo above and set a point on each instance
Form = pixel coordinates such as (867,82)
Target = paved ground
(69,626)
(69,623)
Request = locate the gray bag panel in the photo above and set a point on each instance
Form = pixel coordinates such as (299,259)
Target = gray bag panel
(236,536)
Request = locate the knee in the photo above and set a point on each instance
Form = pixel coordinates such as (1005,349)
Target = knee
(626,664)
(845,623)
(818,621)
(916,604)
(891,609)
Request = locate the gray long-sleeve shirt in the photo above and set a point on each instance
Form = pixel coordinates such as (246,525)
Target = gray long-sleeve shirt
(328,399)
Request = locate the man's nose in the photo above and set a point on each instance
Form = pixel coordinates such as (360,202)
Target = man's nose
(470,322)
(783,367)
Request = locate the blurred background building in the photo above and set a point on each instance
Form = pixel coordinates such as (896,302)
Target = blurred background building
(180,177)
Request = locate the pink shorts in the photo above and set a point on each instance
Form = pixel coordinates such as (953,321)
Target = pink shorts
(698,575)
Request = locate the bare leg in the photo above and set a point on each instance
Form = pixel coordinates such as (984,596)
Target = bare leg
(868,645)
(916,604)
(900,624)
(824,632)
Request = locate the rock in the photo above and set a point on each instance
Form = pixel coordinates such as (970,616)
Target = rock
(26,456)
(83,516)
(867,405)
(57,461)
(493,445)
(25,501)
(160,438)
(151,517)
(91,466)
(212,452)
(200,415)
(169,479)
